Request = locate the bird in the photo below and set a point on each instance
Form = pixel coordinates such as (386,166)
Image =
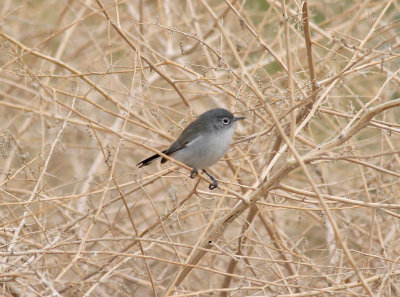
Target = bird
(202,143)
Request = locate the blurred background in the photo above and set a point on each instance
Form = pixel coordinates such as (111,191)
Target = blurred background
(89,88)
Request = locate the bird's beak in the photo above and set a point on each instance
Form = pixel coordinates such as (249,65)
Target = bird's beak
(239,118)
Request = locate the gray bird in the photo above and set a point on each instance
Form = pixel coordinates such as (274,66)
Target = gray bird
(202,143)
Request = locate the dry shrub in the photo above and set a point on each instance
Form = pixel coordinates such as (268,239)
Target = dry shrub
(308,202)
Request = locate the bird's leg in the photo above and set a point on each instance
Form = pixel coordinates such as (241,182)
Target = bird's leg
(214,184)
(194,173)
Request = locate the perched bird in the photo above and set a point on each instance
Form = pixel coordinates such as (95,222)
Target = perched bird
(202,143)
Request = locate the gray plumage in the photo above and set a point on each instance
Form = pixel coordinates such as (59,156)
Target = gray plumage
(203,142)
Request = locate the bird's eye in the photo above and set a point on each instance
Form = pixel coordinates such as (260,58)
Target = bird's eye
(225,121)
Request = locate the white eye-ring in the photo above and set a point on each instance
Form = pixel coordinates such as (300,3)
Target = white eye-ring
(225,121)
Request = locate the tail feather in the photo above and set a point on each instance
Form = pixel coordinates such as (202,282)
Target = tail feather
(149,160)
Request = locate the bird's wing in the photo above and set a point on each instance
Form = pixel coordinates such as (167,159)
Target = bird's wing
(188,137)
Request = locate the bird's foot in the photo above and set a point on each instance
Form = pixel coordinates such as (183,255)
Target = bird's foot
(213,186)
(194,173)
(214,183)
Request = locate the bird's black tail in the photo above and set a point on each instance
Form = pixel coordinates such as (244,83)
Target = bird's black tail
(149,160)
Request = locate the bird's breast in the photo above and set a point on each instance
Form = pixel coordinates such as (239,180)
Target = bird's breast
(204,151)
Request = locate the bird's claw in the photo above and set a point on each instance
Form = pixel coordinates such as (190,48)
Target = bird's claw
(213,186)
(194,173)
